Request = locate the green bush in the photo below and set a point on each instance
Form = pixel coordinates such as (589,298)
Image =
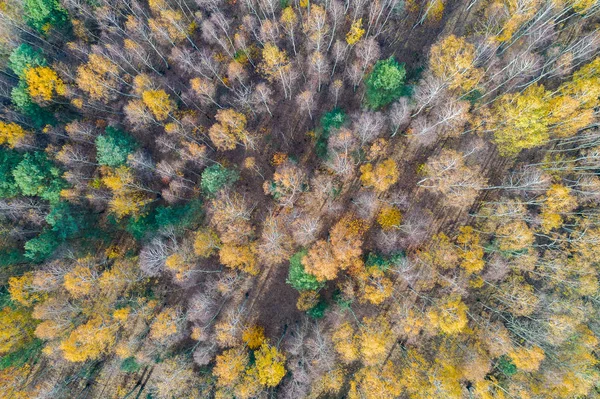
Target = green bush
(39,116)
(385,83)
(217,177)
(44,14)
(129,365)
(383,262)
(140,225)
(36,175)
(24,57)
(66,221)
(298,277)
(41,247)
(180,216)
(11,256)
(23,355)
(318,311)
(113,148)
(506,366)
(331,120)
(8,161)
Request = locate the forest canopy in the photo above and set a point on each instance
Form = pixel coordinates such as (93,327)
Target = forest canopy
(357,199)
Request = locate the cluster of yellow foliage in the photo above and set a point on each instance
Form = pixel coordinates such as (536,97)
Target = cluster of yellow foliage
(449,315)
(230,219)
(98,78)
(329,384)
(516,13)
(376,383)
(235,374)
(355,33)
(522,120)
(440,253)
(315,25)
(435,10)
(43,83)
(525,120)
(159,103)
(558,201)
(370,344)
(410,322)
(527,359)
(326,258)
(514,236)
(206,242)
(230,129)
(470,251)
(230,365)
(90,340)
(168,23)
(452,59)
(307,300)
(274,62)
(381,177)
(180,265)
(127,198)
(440,378)
(12,134)
(80,281)
(13,381)
(389,218)
(242,257)
(269,366)
(254,336)
(21,289)
(279,158)
(518,296)
(374,286)
(345,343)
(166,324)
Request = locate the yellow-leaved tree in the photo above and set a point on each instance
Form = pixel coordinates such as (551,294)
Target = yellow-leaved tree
(230,130)
(206,242)
(98,77)
(376,383)
(453,60)
(326,258)
(44,84)
(275,66)
(527,359)
(389,218)
(449,315)
(90,340)
(254,337)
(128,198)
(242,257)
(13,134)
(159,103)
(269,367)
(381,176)
(521,120)
(355,33)
(558,201)
(230,366)
(166,324)
(470,250)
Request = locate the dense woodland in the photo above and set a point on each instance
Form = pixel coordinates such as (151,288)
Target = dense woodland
(300,199)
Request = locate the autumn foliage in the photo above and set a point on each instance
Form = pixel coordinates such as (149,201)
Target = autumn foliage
(300,199)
